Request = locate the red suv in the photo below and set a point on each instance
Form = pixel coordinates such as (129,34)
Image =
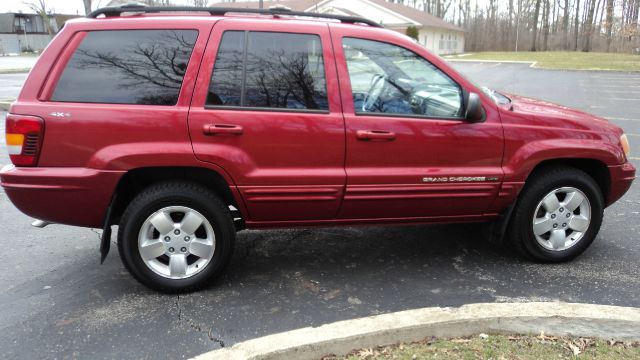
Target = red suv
(185,125)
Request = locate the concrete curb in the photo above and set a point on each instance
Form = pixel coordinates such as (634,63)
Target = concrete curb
(5,105)
(492,61)
(15,71)
(534,65)
(608,322)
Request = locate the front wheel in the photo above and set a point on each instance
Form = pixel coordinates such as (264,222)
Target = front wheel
(557,216)
(176,237)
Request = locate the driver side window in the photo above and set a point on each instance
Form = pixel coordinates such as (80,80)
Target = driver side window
(390,79)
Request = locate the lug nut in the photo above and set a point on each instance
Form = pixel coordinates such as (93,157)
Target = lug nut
(184,249)
(186,238)
(553,216)
(555,226)
(176,231)
(167,239)
(564,225)
(561,209)
(171,249)
(568,215)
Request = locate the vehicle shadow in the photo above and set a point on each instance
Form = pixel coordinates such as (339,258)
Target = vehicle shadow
(280,280)
(284,279)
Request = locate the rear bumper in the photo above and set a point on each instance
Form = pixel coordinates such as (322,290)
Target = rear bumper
(73,196)
(621,178)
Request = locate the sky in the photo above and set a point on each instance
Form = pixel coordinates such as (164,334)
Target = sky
(59,6)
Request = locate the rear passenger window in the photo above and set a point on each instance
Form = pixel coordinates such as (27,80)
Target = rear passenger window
(226,88)
(269,70)
(127,67)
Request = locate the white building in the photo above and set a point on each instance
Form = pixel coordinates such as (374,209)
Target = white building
(27,32)
(435,34)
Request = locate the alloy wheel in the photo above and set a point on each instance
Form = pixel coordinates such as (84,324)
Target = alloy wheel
(561,218)
(176,242)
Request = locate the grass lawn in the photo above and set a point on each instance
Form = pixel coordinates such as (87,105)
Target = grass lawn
(564,59)
(504,347)
(14,71)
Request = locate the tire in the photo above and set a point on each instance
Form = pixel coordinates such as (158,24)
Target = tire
(533,214)
(163,220)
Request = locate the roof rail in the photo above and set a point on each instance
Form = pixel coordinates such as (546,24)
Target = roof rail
(221,11)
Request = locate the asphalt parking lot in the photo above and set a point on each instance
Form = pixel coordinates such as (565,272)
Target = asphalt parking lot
(11,85)
(58,302)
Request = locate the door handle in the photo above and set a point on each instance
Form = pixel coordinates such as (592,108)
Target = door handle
(222,129)
(375,135)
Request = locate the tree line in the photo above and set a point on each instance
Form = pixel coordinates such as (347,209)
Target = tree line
(541,25)
(515,25)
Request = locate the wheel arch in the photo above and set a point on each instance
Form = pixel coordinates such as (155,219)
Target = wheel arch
(135,180)
(597,169)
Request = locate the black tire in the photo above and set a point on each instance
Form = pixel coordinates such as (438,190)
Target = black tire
(520,231)
(176,193)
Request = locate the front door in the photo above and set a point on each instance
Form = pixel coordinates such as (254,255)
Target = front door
(410,152)
(267,110)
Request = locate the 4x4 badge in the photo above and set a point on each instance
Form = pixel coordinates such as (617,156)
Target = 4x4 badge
(60,114)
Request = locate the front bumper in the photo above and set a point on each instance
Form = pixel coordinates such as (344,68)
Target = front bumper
(621,178)
(72,196)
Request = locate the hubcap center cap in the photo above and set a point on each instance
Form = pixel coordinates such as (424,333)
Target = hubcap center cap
(178,241)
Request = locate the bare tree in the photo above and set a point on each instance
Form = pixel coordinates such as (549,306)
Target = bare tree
(40,8)
(534,22)
(541,25)
(588,27)
(565,23)
(609,22)
(87,6)
(545,26)
(576,26)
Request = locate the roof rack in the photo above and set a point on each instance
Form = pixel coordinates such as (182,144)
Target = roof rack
(221,11)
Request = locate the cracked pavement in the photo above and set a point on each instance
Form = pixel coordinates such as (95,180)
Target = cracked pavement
(58,302)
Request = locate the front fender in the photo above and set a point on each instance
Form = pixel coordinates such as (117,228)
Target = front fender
(525,158)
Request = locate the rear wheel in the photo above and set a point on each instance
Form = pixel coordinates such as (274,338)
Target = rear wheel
(557,216)
(176,236)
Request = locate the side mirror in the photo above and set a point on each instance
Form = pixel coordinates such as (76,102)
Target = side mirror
(473,111)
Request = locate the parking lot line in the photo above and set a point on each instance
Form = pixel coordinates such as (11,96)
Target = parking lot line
(620,119)
(611,86)
(617,79)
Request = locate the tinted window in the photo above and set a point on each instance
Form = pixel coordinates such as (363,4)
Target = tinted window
(127,67)
(281,70)
(226,83)
(390,79)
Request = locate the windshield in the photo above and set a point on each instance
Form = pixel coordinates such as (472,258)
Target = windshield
(495,96)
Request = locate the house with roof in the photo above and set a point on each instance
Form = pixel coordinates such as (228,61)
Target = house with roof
(435,34)
(27,32)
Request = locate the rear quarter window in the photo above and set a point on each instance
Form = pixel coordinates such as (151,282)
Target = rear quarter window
(127,67)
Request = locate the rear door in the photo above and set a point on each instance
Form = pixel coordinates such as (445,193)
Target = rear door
(410,152)
(266,108)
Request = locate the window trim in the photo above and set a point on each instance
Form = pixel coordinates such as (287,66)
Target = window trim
(262,108)
(399,115)
(244,76)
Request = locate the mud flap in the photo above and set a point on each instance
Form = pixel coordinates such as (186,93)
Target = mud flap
(494,231)
(105,239)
